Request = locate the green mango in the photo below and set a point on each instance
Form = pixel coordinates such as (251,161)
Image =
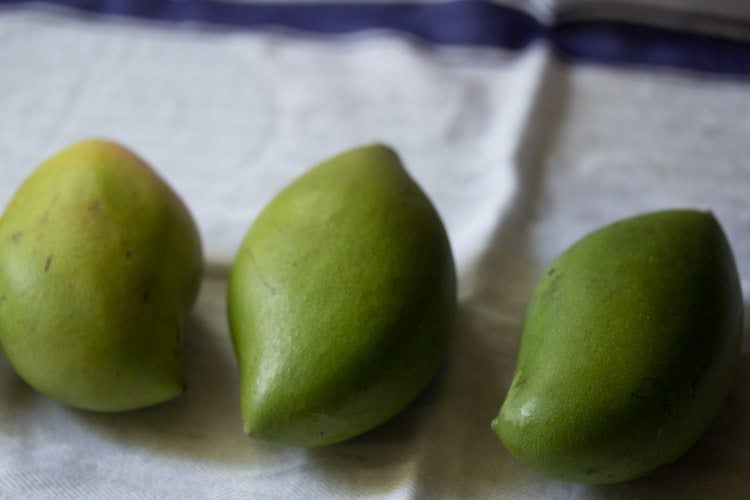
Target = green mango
(628,348)
(99,264)
(341,301)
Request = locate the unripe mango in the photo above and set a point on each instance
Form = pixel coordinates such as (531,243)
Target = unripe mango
(628,348)
(99,264)
(341,301)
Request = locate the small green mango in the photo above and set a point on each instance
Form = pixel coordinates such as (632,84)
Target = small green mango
(341,301)
(99,264)
(628,348)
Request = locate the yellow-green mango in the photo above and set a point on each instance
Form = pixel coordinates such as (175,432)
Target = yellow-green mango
(341,301)
(99,264)
(628,348)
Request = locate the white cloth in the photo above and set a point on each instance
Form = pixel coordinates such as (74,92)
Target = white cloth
(522,155)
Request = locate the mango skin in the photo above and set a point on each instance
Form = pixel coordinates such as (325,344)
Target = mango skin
(99,264)
(341,301)
(628,348)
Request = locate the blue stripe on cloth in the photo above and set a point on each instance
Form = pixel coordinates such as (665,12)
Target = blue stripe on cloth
(457,22)
(462,22)
(628,43)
